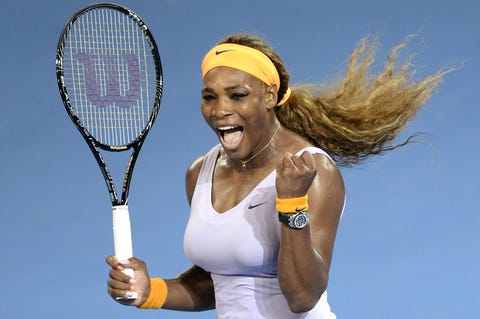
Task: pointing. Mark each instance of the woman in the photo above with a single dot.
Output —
(266, 201)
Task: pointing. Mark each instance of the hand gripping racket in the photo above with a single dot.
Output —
(110, 78)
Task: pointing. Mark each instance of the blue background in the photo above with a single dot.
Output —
(408, 243)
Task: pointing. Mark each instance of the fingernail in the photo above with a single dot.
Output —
(131, 294)
(133, 281)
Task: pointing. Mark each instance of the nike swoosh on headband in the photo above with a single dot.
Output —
(222, 51)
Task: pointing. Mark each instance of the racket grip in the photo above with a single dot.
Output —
(122, 237)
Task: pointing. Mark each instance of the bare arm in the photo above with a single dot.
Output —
(305, 255)
(190, 291)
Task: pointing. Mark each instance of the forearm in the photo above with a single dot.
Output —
(302, 271)
(190, 291)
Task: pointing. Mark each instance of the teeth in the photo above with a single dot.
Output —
(226, 128)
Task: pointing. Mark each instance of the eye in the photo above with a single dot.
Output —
(238, 96)
(208, 97)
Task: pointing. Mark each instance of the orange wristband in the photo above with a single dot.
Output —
(158, 294)
(292, 205)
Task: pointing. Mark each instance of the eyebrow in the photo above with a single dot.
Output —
(226, 89)
(233, 87)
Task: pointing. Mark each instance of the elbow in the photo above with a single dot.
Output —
(302, 293)
(304, 302)
(300, 308)
(300, 305)
(305, 299)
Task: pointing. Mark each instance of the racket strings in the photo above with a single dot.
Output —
(109, 72)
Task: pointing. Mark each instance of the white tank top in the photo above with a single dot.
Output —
(240, 249)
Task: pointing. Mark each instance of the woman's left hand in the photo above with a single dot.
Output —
(295, 175)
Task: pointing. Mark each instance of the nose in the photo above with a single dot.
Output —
(222, 108)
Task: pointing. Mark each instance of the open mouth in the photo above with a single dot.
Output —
(230, 135)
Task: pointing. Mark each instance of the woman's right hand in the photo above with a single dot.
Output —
(121, 285)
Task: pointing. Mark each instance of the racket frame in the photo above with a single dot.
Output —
(94, 144)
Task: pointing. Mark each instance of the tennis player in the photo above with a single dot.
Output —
(266, 201)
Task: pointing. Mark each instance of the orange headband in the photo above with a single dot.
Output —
(245, 59)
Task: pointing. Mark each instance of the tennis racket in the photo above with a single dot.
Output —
(110, 78)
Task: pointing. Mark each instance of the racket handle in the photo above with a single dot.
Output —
(122, 238)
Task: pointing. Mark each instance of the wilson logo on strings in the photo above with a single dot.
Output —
(111, 80)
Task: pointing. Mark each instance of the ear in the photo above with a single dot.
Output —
(271, 96)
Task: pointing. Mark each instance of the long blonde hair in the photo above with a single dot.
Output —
(360, 114)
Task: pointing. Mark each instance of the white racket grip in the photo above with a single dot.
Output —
(122, 233)
(122, 238)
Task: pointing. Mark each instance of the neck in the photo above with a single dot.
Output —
(245, 162)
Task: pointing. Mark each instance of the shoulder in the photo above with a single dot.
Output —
(327, 170)
(194, 168)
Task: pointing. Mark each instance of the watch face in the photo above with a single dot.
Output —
(300, 220)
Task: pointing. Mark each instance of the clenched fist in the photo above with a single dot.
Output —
(295, 175)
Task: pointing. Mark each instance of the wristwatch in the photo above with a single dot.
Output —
(298, 220)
